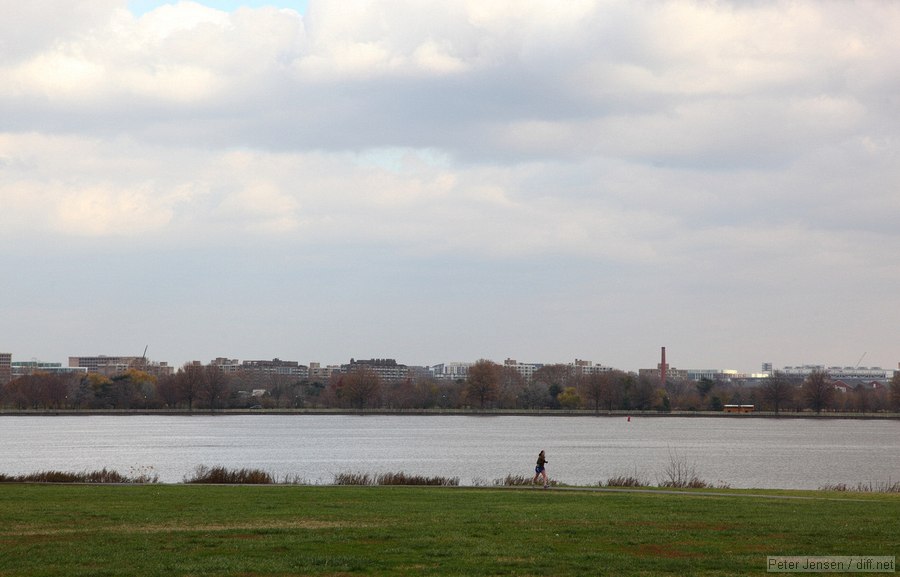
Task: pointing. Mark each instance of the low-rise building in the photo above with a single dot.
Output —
(839, 373)
(671, 374)
(24, 368)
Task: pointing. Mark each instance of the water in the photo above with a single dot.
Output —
(757, 453)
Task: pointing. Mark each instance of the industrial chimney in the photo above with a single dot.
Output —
(662, 368)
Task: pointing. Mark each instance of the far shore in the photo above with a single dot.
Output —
(448, 412)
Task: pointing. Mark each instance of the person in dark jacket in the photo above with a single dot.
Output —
(540, 471)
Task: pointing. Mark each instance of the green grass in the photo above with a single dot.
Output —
(244, 531)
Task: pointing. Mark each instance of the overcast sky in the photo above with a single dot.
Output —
(438, 181)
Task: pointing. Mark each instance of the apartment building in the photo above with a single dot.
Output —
(111, 365)
(583, 367)
(527, 370)
(454, 371)
(320, 374)
(388, 369)
(5, 368)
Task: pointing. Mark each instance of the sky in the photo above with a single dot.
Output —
(438, 181)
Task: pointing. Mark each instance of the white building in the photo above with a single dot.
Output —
(23, 368)
(527, 370)
(450, 371)
(842, 373)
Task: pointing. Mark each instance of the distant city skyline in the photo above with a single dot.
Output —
(796, 368)
(452, 181)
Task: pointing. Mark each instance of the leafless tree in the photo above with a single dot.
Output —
(167, 390)
(405, 394)
(15, 394)
(778, 390)
(189, 382)
(818, 391)
(617, 393)
(880, 400)
(482, 381)
(594, 389)
(895, 391)
(860, 400)
(510, 386)
(361, 387)
(214, 385)
(449, 394)
(678, 391)
(80, 392)
(535, 395)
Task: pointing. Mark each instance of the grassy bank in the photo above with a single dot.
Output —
(170, 530)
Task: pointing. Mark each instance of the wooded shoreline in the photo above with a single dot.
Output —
(451, 412)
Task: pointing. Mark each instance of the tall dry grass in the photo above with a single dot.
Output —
(101, 476)
(224, 476)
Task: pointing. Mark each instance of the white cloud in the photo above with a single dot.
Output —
(110, 211)
(653, 139)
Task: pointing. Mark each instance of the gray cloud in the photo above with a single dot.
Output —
(679, 169)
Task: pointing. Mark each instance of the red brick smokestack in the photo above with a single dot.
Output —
(662, 368)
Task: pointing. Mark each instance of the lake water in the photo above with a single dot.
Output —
(740, 452)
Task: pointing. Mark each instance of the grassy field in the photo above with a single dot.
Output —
(172, 530)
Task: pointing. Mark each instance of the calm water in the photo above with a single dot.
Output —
(763, 453)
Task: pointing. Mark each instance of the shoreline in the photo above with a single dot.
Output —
(444, 413)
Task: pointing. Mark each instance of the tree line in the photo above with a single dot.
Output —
(487, 386)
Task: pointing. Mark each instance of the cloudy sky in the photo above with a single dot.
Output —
(437, 180)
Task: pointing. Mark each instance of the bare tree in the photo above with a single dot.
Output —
(401, 395)
(510, 386)
(595, 389)
(167, 390)
(189, 381)
(17, 393)
(482, 381)
(895, 391)
(214, 385)
(80, 392)
(818, 391)
(678, 391)
(860, 398)
(360, 387)
(778, 390)
(616, 393)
